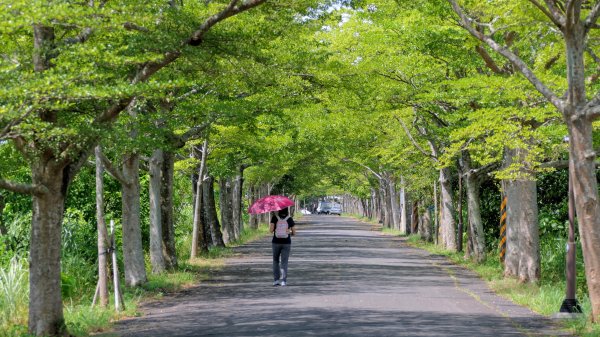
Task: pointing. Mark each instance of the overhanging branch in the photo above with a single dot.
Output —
(552, 14)
(364, 166)
(592, 108)
(465, 22)
(23, 188)
(151, 68)
(590, 21)
(413, 141)
(108, 165)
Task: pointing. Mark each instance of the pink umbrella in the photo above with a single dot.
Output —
(270, 203)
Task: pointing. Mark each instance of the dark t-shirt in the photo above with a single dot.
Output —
(287, 240)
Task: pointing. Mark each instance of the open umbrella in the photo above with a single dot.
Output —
(270, 203)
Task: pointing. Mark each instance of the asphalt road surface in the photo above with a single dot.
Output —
(344, 279)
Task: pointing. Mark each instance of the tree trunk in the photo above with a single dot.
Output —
(199, 241)
(363, 205)
(45, 300)
(157, 260)
(522, 259)
(459, 245)
(168, 227)
(102, 233)
(225, 198)
(414, 219)
(436, 212)
(475, 223)
(403, 207)
(133, 253)
(384, 202)
(208, 193)
(529, 266)
(585, 191)
(236, 203)
(583, 156)
(252, 191)
(394, 207)
(198, 233)
(426, 227)
(3, 230)
(447, 223)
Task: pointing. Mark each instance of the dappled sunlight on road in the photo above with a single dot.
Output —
(344, 280)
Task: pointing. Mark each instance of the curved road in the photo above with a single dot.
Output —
(344, 280)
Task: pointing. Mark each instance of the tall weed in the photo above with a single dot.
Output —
(14, 293)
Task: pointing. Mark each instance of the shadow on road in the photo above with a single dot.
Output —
(344, 280)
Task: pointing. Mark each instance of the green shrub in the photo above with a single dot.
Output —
(19, 232)
(78, 277)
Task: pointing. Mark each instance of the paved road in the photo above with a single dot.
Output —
(344, 280)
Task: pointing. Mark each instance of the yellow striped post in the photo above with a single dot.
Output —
(502, 229)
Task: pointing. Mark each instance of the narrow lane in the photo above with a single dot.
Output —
(344, 280)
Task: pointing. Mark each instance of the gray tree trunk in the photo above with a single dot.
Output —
(394, 207)
(225, 198)
(447, 223)
(133, 253)
(384, 202)
(199, 242)
(436, 212)
(475, 222)
(210, 209)
(426, 227)
(364, 207)
(168, 227)
(522, 258)
(252, 191)
(3, 230)
(375, 203)
(403, 207)
(45, 301)
(102, 233)
(459, 236)
(157, 260)
(236, 203)
(198, 234)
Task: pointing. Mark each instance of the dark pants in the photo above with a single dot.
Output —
(282, 251)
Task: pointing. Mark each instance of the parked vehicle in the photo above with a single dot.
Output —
(328, 207)
(335, 209)
(323, 207)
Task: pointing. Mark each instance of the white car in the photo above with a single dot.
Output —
(305, 211)
(336, 209)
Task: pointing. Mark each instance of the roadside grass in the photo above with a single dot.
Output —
(14, 297)
(390, 231)
(82, 319)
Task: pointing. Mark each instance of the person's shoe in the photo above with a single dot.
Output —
(282, 283)
(276, 283)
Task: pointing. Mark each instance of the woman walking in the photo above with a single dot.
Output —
(282, 227)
